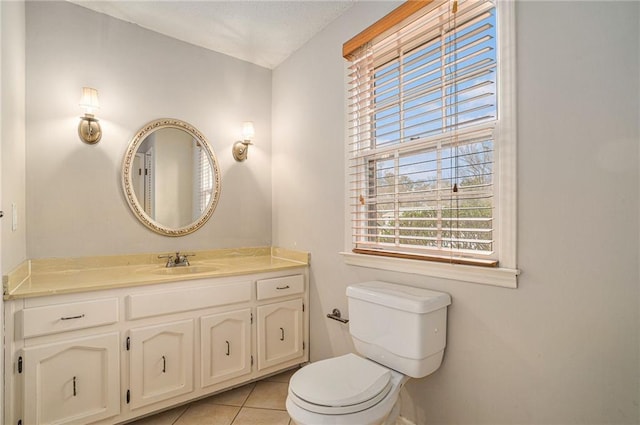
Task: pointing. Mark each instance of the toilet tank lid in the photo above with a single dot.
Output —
(400, 297)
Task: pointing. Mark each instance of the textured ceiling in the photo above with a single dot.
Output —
(261, 32)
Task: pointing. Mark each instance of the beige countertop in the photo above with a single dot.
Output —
(35, 278)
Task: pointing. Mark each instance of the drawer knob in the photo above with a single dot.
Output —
(72, 317)
(282, 287)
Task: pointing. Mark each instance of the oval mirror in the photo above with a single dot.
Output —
(170, 177)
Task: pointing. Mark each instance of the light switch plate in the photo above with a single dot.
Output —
(14, 216)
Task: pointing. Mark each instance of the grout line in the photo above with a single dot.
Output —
(242, 406)
(243, 403)
(266, 408)
(180, 415)
(236, 415)
(249, 395)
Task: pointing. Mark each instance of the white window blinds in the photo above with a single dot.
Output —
(203, 180)
(423, 107)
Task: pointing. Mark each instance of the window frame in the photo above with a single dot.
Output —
(505, 275)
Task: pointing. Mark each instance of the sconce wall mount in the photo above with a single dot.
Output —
(240, 150)
(241, 147)
(89, 129)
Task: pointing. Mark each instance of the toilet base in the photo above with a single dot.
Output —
(395, 413)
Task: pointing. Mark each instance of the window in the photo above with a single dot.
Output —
(432, 146)
(202, 180)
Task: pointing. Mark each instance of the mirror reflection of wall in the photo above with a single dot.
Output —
(143, 175)
(173, 195)
(172, 177)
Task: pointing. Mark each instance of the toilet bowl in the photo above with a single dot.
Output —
(345, 390)
(400, 332)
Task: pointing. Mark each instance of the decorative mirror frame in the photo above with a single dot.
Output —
(127, 177)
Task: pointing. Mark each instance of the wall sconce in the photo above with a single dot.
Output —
(240, 148)
(89, 128)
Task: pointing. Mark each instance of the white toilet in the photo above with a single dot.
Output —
(401, 331)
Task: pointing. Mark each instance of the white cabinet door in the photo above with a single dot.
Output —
(280, 327)
(76, 381)
(225, 346)
(161, 362)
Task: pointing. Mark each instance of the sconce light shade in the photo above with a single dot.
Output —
(89, 128)
(247, 130)
(241, 148)
(89, 100)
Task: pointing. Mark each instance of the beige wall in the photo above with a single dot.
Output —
(12, 125)
(563, 348)
(12, 143)
(75, 205)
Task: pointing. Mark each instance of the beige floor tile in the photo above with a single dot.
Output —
(282, 377)
(205, 413)
(268, 395)
(235, 397)
(164, 418)
(250, 416)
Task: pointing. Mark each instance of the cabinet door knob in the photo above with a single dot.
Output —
(74, 387)
(281, 334)
(228, 348)
(164, 364)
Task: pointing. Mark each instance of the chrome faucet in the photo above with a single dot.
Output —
(179, 260)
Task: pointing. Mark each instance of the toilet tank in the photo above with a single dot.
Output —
(401, 327)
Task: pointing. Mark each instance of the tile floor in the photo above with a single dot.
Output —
(258, 403)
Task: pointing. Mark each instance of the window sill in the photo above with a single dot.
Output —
(495, 276)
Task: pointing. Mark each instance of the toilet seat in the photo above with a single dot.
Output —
(341, 385)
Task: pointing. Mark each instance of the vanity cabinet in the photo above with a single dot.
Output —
(161, 362)
(279, 332)
(225, 346)
(280, 324)
(66, 367)
(75, 381)
(110, 356)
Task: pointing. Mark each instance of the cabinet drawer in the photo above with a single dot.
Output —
(38, 321)
(280, 286)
